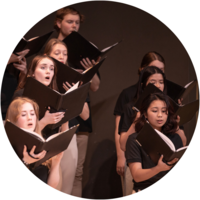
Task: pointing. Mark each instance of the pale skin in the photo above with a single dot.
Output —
(71, 22)
(59, 52)
(19, 61)
(45, 69)
(27, 120)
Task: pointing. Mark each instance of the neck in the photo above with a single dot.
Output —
(61, 36)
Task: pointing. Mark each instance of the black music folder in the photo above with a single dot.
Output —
(79, 48)
(35, 44)
(70, 75)
(71, 102)
(156, 144)
(54, 145)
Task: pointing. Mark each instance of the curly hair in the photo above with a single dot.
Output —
(171, 124)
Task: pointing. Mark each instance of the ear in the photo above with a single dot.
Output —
(58, 23)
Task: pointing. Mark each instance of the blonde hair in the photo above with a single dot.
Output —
(15, 107)
(14, 111)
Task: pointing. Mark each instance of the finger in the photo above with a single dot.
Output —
(82, 64)
(88, 61)
(33, 150)
(65, 87)
(25, 149)
(68, 84)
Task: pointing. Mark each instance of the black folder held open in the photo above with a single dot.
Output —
(186, 112)
(70, 102)
(156, 144)
(70, 75)
(79, 48)
(54, 145)
(34, 45)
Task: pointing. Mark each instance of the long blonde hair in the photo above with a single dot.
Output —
(14, 111)
(15, 107)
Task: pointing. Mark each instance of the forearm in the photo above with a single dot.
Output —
(95, 83)
(42, 123)
(120, 153)
(181, 133)
(54, 175)
(85, 112)
(140, 175)
(65, 126)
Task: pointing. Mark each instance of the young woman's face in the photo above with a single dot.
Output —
(157, 80)
(44, 71)
(27, 117)
(158, 64)
(69, 23)
(157, 114)
(59, 52)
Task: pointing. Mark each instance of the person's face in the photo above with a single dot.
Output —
(69, 23)
(157, 114)
(158, 64)
(44, 71)
(59, 52)
(157, 80)
(27, 117)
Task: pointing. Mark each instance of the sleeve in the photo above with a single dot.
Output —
(133, 151)
(120, 103)
(127, 118)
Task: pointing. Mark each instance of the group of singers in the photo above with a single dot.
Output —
(65, 171)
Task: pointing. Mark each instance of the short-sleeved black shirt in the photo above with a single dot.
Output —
(135, 153)
(125, 97)
(127, 117)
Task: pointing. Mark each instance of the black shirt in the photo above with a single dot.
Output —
(127, 117)
(135, 153)
(127, 95)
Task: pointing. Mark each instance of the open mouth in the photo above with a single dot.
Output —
(47, 78)
(30, 124)
(160, 121)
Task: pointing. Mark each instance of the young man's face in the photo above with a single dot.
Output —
(70, 22)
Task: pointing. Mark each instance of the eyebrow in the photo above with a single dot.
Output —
(46, 64)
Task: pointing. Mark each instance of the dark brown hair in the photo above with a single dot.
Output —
(60, 14)
(31, 70)
(171, 124)
(144, 76)
(148, 58)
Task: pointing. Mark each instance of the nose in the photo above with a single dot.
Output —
(74, 25)
(159, 113)
(158, 85)
(47, 70)
(29, 116)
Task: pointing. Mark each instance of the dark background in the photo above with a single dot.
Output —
(105, 24)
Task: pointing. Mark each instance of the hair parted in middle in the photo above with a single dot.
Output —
(144, 76)
(171, 124)
(15, 107)
(31, 70)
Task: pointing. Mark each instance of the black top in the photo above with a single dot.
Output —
(125, 97)
(42, 172)
(135, 153)
(9, 85)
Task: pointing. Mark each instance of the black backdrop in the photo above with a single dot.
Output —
(105, 24)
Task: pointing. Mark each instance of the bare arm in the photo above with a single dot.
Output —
(50, 118)
(54, 175)
(140, 174)
(85, 112)
(120, 154)
(86, 63)
(181, 133)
